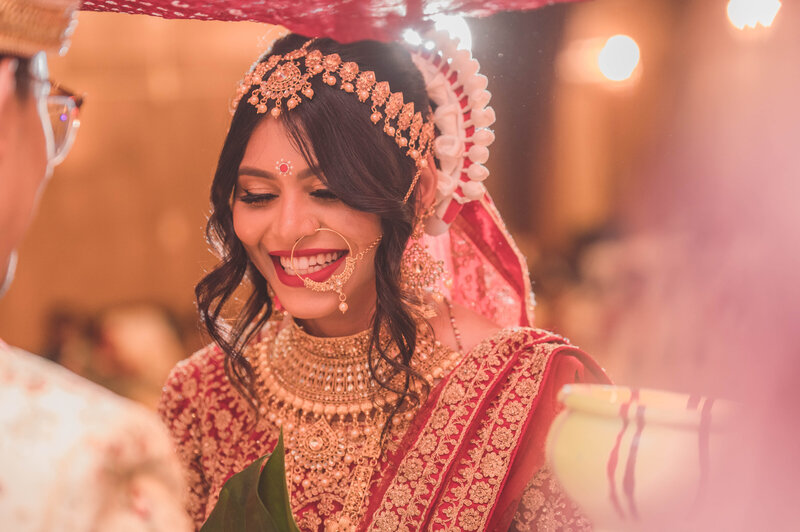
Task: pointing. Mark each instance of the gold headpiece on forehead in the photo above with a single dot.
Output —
(289, 82)
(30, 26)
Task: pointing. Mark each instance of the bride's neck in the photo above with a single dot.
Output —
(355, 320)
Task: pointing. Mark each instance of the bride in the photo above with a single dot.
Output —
(401, 366)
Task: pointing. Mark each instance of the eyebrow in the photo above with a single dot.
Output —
(266, 174)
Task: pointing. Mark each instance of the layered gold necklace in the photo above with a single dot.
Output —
(333, 411)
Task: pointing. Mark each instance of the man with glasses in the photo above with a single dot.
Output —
(73, 456)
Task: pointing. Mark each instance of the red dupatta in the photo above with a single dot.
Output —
(480, 437)
(354, 20)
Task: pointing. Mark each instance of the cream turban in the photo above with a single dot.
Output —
(29, 26)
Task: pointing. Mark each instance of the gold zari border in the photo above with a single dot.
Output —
(472, 490)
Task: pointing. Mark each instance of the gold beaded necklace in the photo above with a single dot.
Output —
(332, 411)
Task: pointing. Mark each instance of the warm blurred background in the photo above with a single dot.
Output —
(645, 161)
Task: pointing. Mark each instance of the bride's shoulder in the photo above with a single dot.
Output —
(191, 376)
(461, 328)
(473, 327)
(476, 330)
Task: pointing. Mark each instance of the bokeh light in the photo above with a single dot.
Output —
(619, 58)
(457, 27)
(750, 13)
(412, 37)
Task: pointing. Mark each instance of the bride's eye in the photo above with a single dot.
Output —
(324, 193)
(256, 199)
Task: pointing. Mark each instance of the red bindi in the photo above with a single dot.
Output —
(283, 166)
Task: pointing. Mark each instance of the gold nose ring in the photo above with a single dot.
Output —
(336, 282)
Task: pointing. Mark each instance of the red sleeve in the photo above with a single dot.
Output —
(178, 409)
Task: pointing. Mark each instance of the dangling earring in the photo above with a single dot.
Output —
(419, 271)
(336, 282)
(276, 304)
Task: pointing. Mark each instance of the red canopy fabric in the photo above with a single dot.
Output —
(343, 21)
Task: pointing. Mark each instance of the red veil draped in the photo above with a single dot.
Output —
(343, 21)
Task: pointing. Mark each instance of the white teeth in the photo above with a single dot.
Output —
(309, 264)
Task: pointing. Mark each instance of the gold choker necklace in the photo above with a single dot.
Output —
(331, 376)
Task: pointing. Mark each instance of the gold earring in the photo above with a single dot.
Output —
(336, 282)
(419, 271)
(276, 304)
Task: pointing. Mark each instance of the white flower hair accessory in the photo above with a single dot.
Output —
(462, 118)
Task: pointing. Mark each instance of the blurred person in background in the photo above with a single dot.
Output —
(133, 346)
(126, 348)
(73, 456)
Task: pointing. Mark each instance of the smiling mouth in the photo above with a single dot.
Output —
(309, 264)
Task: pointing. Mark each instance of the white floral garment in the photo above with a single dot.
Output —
(75, 457)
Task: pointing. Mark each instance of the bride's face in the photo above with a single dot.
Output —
(279, 199)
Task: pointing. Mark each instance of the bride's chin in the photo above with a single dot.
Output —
(314, 308)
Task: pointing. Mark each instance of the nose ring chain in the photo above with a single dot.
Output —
(336, 282)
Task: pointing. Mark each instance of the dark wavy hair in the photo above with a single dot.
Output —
(364, 168)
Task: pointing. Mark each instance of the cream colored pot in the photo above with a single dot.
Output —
(638, 459)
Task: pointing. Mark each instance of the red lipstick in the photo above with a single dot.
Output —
(320, 276)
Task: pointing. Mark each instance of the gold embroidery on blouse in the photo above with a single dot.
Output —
(545, 507)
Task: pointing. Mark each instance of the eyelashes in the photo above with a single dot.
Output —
(324, 193)
(261, 199)
(256, 199)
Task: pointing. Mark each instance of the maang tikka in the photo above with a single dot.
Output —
(282, 82)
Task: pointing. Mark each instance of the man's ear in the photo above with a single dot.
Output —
(426, 187)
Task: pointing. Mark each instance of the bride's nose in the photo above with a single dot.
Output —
(294, 221)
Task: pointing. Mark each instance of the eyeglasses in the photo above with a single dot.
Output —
(58, 109)
(63, 108)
